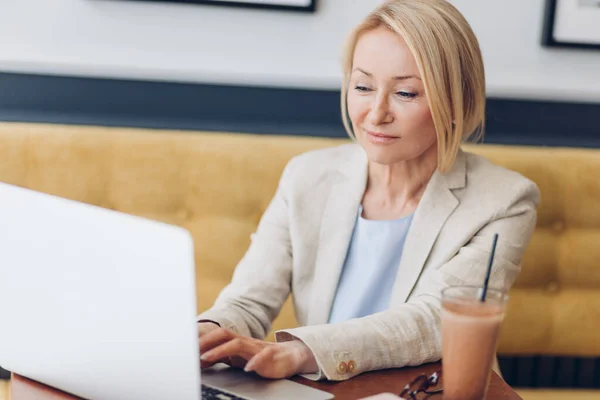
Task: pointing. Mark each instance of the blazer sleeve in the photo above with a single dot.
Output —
(262, 279)
(410, 333)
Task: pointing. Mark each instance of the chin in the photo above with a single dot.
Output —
(383, 156)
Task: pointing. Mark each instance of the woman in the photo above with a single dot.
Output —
(367, 235)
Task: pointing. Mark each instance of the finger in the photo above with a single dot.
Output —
(235, 362)
(215, 339)
(263, 357)
(208, 364)
(241, 347)
(203, 345)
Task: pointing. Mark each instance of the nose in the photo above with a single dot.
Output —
(380, 111)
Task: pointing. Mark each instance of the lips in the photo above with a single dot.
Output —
(380, 138)
(381, 135)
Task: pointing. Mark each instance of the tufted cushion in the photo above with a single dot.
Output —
(215, 185)
(555, 304)
(218, 185)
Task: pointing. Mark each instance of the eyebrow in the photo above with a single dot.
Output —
(396, 78)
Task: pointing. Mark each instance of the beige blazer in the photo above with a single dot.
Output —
(302, 239)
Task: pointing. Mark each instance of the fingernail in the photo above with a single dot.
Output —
(249, 367)
(205, 357)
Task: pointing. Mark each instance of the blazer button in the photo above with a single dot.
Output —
(342, 368)
(351, 366)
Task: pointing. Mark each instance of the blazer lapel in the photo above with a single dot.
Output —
(434, 208)
(339, 217)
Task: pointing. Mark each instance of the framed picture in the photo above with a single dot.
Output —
(289, 5)
(572, 23)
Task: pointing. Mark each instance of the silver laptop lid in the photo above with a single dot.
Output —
(98, 303)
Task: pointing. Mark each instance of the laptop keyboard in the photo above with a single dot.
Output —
(210, 393)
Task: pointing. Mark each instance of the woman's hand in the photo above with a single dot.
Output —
(205, 328)
(270, 360)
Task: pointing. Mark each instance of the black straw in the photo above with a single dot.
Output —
(489, 269)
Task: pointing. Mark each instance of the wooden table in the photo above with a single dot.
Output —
(366, 384)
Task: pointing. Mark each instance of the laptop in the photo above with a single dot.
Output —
(102, 304)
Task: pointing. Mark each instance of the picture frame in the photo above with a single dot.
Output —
(572, 23)
(307, 6)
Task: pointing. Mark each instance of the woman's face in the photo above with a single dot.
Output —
(386, 100)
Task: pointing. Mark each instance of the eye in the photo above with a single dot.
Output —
(407, 95)
(360, 88)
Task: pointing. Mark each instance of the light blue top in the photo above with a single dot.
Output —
(370, 268)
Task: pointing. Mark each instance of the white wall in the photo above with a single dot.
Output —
(240, 46)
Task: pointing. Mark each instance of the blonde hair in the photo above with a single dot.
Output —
(449, 59)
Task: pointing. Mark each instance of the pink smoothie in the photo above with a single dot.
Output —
(469, 337)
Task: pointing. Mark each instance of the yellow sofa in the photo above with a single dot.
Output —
(4, 390)
(217, 185)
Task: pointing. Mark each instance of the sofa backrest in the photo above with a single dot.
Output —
(555, 304)
(217, 185)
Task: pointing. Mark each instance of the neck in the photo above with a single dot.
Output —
(400, 184)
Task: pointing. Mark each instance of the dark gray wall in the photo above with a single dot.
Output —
(70, 100)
